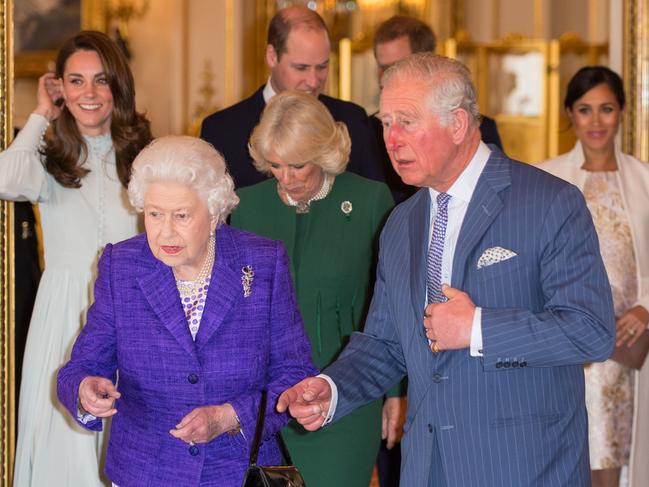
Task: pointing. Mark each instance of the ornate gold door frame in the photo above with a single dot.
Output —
(7, 399)
(635, 136)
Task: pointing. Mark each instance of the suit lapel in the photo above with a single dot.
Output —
(418, 232)
(483, 208)
(258, 103)
(158, 285)
(225, 285)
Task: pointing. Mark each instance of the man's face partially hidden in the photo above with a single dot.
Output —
(388, 53)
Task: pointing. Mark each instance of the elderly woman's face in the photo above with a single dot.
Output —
(299, 181)
(178, 226)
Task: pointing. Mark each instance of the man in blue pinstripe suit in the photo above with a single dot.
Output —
(518, 300)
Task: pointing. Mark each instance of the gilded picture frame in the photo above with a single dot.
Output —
(7, 368)
(35, 54)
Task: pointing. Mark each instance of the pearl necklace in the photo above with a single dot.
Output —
(302, 207)
(186, 288)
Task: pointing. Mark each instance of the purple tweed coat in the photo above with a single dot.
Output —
(136, 330)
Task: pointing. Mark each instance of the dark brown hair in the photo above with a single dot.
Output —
(588, 78)
(65, 150)
(420, 35)
(287, 19)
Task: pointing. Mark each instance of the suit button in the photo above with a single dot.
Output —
(193, 450)
(192, 378)
(437, 378)
(515, 363)
(499, 364)
(430, 428)
(523, 363)
(507, 364)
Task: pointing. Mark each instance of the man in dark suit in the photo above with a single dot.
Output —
(298, 56)
(490, 294)
(395, 39)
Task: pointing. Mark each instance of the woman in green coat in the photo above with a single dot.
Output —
(329, 221)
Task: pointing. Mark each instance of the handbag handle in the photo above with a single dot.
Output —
(254, 452)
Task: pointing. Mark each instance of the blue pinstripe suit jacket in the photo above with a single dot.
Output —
(515, 417)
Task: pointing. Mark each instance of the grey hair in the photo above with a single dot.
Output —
(297, 128)
(450, 84)
(188, 161)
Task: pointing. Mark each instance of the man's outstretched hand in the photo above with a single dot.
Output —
(307, 401)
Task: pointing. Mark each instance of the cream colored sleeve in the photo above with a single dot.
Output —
(22, 175)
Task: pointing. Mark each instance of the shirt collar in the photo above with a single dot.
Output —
(268, 92)
(464, 186)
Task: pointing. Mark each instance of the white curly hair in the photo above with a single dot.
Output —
(188, 161)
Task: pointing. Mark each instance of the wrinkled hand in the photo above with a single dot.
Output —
(50, 91)
(307, 401)
(205, 423)
(449, 323)
(97, 396)
(393, 418)
(631, 325)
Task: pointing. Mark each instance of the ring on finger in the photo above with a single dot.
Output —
(631, 331)
(434, 347)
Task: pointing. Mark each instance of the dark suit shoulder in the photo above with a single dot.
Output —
(246, 109)
(489, 132)
(343, 110)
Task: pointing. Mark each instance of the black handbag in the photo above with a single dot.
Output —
(270, 476)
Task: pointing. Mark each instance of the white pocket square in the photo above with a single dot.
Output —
(494, 255)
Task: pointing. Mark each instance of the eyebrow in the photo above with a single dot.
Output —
(397, 113)
(80, 75)
(324, 63)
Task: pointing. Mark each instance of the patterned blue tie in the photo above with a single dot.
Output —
(436, 250)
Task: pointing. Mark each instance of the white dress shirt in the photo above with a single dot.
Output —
(461, 192)
(269, 91)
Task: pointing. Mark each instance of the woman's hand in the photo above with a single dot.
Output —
(393, 418)
(50, 91)
(631, 325)
(97, 396)
(206, 423)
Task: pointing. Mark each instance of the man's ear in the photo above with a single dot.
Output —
(271, 56)
(459, 125)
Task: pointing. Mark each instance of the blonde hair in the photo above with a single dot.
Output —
(297, 128)
(188, 161)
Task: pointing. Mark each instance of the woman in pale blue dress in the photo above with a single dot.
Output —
(73, 159)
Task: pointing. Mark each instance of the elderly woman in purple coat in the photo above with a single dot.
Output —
(190, 322)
